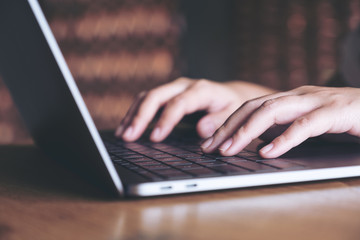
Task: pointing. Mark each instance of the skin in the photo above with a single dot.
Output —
(309, 111)
(306, 112)
(184, 96)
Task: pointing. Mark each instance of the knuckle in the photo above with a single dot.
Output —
(175, 105)
(280, 140)
(303, 122)
(178, 100)
(141, 95)
(200, 84)
(269, 105)
(304, 88)
(183, 80)
(241, 133)
(337, 101)
(251, 104)
(151, 95)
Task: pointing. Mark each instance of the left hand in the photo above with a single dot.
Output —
(309, 111)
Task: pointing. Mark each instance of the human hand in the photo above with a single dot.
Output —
(309, 111)
(184, 96)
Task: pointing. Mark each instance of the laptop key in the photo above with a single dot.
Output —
(138, 160)
(170, 159)
(189, 166)
(132, 156)
(214, 163)
(148, 163)
(157, 167)
(151, 176)
(231, 159)
(162, 156)
(202, 160)
(178, 163)
(133, 167)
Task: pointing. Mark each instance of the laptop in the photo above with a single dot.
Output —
(56, 116)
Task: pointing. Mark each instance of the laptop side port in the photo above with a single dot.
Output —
(193, 185)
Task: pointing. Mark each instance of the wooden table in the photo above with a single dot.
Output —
(40, 200)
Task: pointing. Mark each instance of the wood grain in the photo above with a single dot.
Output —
(40, 200)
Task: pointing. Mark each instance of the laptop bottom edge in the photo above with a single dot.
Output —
(239, 181)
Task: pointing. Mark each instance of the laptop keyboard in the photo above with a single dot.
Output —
(179, 160)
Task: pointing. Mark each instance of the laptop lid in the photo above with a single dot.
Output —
(46, 95)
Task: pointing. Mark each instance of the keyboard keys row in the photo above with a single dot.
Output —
(152, 162)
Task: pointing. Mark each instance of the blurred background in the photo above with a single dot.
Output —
(117, 48)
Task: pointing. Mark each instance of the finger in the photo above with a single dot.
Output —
(132, 110)
(310, 125)
(139, 118)
(273, 132)
(234, 122)
(192, 100)
(207, 125)
(277, 111)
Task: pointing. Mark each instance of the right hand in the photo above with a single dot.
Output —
(184, 96)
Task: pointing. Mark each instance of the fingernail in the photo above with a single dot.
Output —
(128, 132)
(226, 145)
(207, 143)
(119, 131)
(267, 148)
(156, 134)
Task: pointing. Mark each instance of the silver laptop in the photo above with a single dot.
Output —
(49, 101)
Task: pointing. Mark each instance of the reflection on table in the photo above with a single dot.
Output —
(45, 201)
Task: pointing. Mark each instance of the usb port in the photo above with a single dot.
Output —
(191, 185)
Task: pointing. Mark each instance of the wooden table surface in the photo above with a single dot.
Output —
(40, 200)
